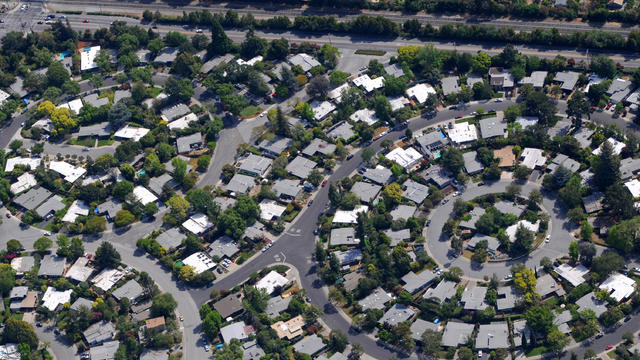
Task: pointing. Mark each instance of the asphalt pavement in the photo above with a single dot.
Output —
(260, 11)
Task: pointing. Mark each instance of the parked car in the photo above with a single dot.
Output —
(324, 183)
(310, 202)
(350, 156)
(206, 348)
(599, 335)
(8, 215)
(458, 116)
(499, 100)
(548, 238)
(609, 347)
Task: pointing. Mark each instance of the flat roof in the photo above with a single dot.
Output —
(32, 198)
(366, 191)
(343, 236)
(493, 336)
(376, 300)
(397, 314)
(574, 275)
(107, 278)
(200, 262)
(415, 191)
(463, 132)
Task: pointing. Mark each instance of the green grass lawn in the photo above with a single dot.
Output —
(88, 142)
(250, 111)
(105, 142)
(612, 354)
(153, 92)
(538, 350)
(370, 52)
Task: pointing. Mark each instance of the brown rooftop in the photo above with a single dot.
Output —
(155, 322)
(30, 301)
(506, 156)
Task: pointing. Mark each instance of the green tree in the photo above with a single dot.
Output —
(607, 167)
(619, 201)
(338, 341)
(573, 250)
(119, 115)
(179, 89)
(179, 169)
(124, 218)
(122, 189)
(577, 106)
(540, 318)
(43, 244)
(107, 256)
(163, 305)
(19, 332)
(367, 154)
(7, 279)
(603, 66)
(14, 246)
(556, 341)
(607, 263)
(220, 43)
(382, 108)
(211, 324)
(338, 77)
(453, 160)
(57, 74)
(178, 208)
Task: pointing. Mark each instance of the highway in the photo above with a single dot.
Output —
(268, 11)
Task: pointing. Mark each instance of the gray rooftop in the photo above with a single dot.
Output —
(224, 203)
(563, 318)
(121, 94)
(109, 207)
(301, 167)
(251, 350)
(131, 290)
(229, 305)
(171, 239)
(319, 146)
(255, 231)
(99, 130)
(26, 264)
(473, 298)
(456, 333)
(582, 135)
(629, 167)
(169, 165)
(175, 111)
(106, 351)
(492, 243)
(351, 280)
(376, 300)
(492, 127)
(18, 292)
(593, 202)
(95, 101)
(450, 85)
(32, 198)
(343, 236)
(344, 131)
(432, 141)
(224, 246)
(167, 55)
(240, 184)
(397, 236)
(568, 79)
(187, 143)
(80, 302)
(547, 285)
(437, 175)
(590, 301)
(255, 165)
(445, 290)
(309, 345)
(509, 208)
(493, 336)
(471, 164)
(157, 183)
(305, 61)
(212, 63)
(149, 354)
(287, 187)
(366, 191)
(520, 328)
(619, 90)
(54, 204)
(276, 146)
(394, 70)
(476, 213)
(380, 175)
(536, 79)
(397, 314)
(415, 191)
(348, 257)
(507, 296)
(99, 332)
(561, 128)
(420, 326)
(403, 212)
(277, 305)
(414, 282)
(565, 161)
(52, 266)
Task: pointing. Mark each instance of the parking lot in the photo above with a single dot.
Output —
(21, 18)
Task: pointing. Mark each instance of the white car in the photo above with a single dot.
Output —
(547, 239)
(199, 31)
(499, 100)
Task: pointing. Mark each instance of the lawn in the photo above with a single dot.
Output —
(538, 350)
(153, 92)
(88, 142)
(105, 142)
(612, 355)
(370, 52)
(250, 111)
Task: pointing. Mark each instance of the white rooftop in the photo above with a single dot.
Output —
(634, 187)
(511, 230)
(198, 223)
(270, 210)
(336, 94)
(77, 208)
(200, 262)
(69, 172)
(143, 195)
(133, 133)
(107, 278)
(369, 84)
(615, 144)
(349, 216)
(407, 158)
(420, 92)
(365, 115)
(3, 97)
(532, 158)
(74, 106)
(250, 62)
(463, 132)
(620, 286)
(183, 122)
(12, 162)
(574, 275)
(24, 182)
(88, 58)
(321, 109)
(52, 298)
(271, 281)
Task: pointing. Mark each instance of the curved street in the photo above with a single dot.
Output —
(438, 243)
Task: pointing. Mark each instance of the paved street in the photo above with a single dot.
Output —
(270, 10)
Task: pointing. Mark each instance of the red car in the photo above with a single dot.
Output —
(8, 215)
(609, 347)
(458, 116)
(324, 183)
(85, 20)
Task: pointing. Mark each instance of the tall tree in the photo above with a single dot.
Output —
(220, 42)
(607, 167)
